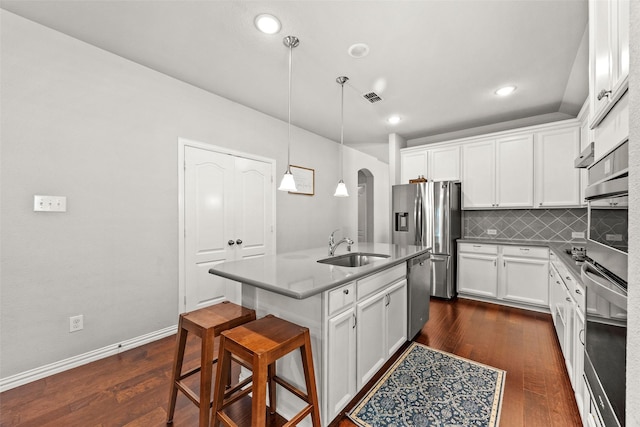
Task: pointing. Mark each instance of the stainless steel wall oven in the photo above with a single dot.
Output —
(605, 275)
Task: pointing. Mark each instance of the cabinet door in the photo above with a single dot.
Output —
(525, 280)
(478, 175)
(514, 171)
(396, 316)
(371, 349)
(412, 165)
(600, 15)
(444, 164)
(578, 359)
(557, 180)
(478, 274)
(341, 361)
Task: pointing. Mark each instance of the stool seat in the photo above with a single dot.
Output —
(259, 344)
(206, 323)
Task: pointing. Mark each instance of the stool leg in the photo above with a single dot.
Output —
(310, 379)
(272, 388)
(259, 388)
(222, 371)
(206, 376)
(181, 342)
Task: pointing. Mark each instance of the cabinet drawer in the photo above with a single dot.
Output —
(478, 248)
(341, 298)
(526, 251)
(377, 281)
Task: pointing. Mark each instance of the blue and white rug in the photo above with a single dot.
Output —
(427, 387)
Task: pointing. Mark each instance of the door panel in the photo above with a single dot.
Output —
(208, 177)
(371, 349)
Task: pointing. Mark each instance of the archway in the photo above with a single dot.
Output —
(365, 205)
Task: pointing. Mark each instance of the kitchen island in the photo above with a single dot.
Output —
(357, 316)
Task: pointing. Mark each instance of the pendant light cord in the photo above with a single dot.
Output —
(289, 113)
(341, 129)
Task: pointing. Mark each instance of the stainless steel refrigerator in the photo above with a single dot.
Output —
(428, 214)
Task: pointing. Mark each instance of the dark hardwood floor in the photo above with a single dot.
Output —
(131, 389)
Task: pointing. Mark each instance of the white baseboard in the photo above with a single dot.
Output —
(82, 359)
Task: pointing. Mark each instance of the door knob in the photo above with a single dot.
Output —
(231, 242)
(239, 241)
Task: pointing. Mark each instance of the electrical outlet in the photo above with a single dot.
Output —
(76, 323)
(577, 234)
(49, 203)
(492, 231)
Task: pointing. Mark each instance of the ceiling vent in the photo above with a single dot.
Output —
(372, 97)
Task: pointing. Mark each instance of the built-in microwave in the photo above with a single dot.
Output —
(605, 275)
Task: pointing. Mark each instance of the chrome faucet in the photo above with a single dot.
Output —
(333, 245)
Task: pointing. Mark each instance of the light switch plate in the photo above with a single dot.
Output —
(577, 234)
(49, 203)
(492, 231)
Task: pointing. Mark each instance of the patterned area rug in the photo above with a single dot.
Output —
(427, 387)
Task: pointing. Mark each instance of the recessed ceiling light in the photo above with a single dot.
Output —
(358, 50)
(266, 23)
(394, 120)
(504, 91)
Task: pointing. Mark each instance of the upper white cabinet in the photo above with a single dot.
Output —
(557, 181)
(498, 173)
(413, 164)
(444, 164)
(479, 175)
(609, 55)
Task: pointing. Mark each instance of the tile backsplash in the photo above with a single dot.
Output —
(549, 225)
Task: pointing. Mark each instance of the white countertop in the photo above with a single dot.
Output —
(299, 275)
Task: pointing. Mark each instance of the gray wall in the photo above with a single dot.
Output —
(80, 122)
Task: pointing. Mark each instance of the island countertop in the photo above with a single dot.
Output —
(299, 275)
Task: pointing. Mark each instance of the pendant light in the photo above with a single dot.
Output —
(288, 183)
(341, 189)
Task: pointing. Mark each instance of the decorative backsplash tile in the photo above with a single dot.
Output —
(548, 225)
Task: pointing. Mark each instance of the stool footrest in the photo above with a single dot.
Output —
(292, 389)
(188, 392)
(299, 416)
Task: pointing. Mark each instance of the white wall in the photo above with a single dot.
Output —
(633, 331)
(80, 122)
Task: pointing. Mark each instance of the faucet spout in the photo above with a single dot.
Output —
(333, 245)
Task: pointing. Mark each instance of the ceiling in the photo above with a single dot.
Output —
(435, 63)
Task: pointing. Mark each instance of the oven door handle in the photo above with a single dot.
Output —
(603, 287)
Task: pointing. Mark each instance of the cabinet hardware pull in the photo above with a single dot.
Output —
(580, 336)
(504, 263)
(346, 291)
(495, 263)
(578, 292)
(239, 241)
(477, 246)
(231, 242)
(388, 298)
(568, 299)
(355, 320)
(524, 249)
(603, 93)
(568, 277)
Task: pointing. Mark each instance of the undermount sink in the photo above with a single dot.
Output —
(356, 259)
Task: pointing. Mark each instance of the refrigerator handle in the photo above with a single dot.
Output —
(418, 217)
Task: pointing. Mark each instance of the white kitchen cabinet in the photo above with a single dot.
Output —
(608, 56)
(578, 361)
(523, 277)
(478, 270)
(514, 171)
(498, 173)
(557, 180)
(378, 334)
(478, 174)
(413, 164)
(341, 378)
(444, 164)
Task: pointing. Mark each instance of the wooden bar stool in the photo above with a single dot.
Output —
(206, 323)
(259, 344)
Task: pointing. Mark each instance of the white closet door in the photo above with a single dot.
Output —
(209, 218)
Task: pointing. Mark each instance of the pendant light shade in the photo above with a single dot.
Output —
(341, 189)
(288, 183)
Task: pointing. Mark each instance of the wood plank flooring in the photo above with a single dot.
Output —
(131, 389)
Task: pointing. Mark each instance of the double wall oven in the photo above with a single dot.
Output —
(605, 275)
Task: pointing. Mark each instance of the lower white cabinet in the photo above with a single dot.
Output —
(341, 377)
(362, 333)
(504, 272)
(379, 331)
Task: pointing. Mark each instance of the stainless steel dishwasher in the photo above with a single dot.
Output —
(419, 292)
